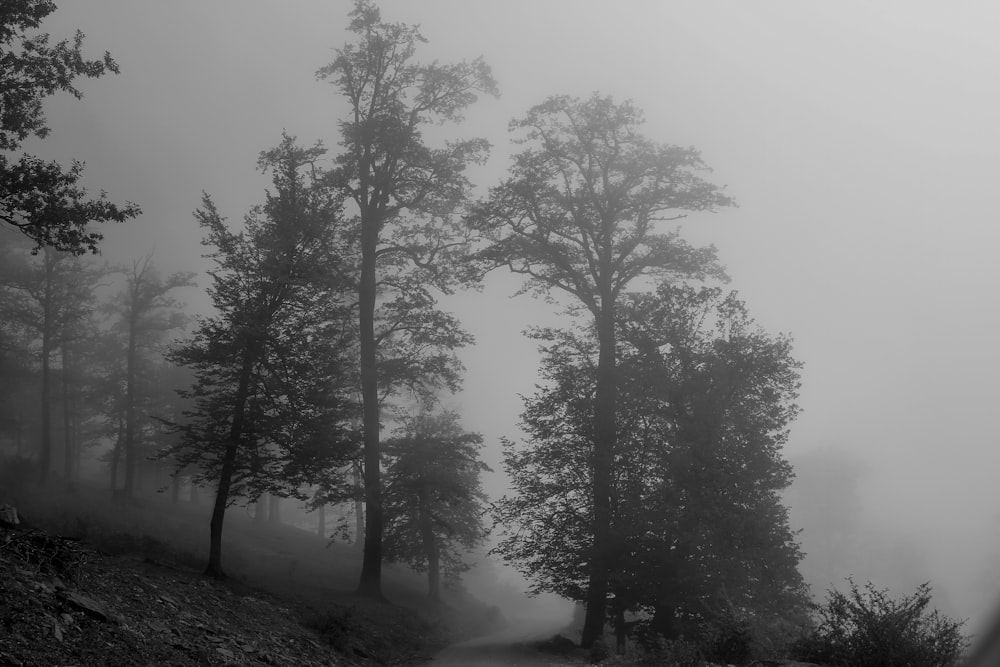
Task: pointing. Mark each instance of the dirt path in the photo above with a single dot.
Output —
(509, 647)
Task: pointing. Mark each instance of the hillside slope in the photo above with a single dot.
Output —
(94, 584)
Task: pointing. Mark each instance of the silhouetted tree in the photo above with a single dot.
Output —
(266, 367)
(404, 236)
(698, 532)
(42, 199)
(147, 313)
(46, 297)
(18, 395)
(581, 214)
(434, 501)
(80, 334)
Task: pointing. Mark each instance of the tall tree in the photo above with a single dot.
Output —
(47, 296)
(581, 214)
(43, 199)
(148, 311)
(405, 193)
(434, 501)
(699, 533)
(80, 333)
(17, 353)
(261, 379)
(16, 369)
(726, 390)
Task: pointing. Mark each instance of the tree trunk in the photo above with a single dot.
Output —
(78, 446)
(214, 568)
(371, 565)
(260, 509)
(619, 630)
(321, 521)
(19, 434)
(130, 400)
(430, 545)
(45, 460)
(116, 454)
(359, 510)
(175, 489)
(663, 621)
(605, 434)
(193, 496)
(273, 509)
(67, 416)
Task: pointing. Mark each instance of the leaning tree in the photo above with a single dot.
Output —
(267, 379)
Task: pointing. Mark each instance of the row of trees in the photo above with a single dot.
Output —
(301, 294)
(95, 358)
(650, 474)
(272, 405)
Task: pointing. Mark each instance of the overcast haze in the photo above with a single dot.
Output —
(860, 140)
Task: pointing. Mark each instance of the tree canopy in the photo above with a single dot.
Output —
(433, 496)
(697, 527)
(581, 213)
(43, 199)
(406, 238)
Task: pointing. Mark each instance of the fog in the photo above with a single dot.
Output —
(859, 139)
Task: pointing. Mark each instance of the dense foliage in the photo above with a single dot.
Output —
(865, 626)
(700, 539)
(434, 502)
(44, 200)
(269, 379)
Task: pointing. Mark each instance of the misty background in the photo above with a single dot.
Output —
(859, 139)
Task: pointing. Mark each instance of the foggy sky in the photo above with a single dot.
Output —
(860, 140)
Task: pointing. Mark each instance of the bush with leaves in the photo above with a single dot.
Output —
(655, 649)
(866, 627)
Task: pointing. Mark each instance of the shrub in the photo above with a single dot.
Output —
(654, 649)
(866, 628)
(599, 652)
(724, 635)
(727, 638)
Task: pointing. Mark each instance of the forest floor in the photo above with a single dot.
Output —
(84, 582)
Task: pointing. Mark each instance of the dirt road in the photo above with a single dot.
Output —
(507, 648)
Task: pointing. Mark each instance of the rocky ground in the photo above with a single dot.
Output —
(92, 584)
(62, 603)
(109, 602)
